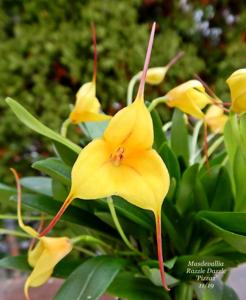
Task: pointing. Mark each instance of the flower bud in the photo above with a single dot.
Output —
(156, 75)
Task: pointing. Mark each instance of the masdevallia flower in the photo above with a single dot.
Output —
(215, 118)
(87, 107)
(190, 97)
(47, 252)
(237, 85)
(122, 162)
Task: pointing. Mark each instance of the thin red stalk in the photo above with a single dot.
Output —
(57, 216)
(146, 63)
(175, 59)
(94, 40)
(205, 145)
(159, 251)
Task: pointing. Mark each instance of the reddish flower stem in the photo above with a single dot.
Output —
(175, 59)
(146, 63)
(57, 216)
(159, 251)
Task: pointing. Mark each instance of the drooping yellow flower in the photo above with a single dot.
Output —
(87, 107)
(122, 162)
(237, 85)
(215, 119)
(190, 97)
(47, 252)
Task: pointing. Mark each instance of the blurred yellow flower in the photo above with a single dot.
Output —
(122, 162)
(87, 107)
(237, 85)
(190, 97)
(216, 119)
(45, 255)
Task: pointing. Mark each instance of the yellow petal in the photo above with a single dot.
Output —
(237, 85)
(143, 180)
(131, 127)
(87, 116)
(45, 259)
(84, 96)
(35, 253)
(91, 177)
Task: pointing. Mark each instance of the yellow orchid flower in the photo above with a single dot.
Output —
(190, 97)
(87, 107)
(122, 162)
(47, 252)
(216, 119)
(237, 85)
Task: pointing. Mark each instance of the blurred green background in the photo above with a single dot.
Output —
(46, 54)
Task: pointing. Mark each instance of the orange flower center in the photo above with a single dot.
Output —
(117, 156)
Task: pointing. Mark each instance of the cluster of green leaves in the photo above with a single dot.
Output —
(203, 218)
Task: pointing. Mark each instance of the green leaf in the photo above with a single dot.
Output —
(134, 213)
(179, 136)
(159, 135)
(59, 190)
(66, 154)
(132, 287)
(73, 214)
(15, 263)
(62, 270)
(38, 184)
(96, 129)
(55, 168)
(170, 161)
(6, 192)
(220, 291)
(154, 276)
(242, 128)
(239, 171)
(173, 225)
(30, 121)
(191, 194)
(232, 140)
(91, 279)
(227, 225)
(217, 184)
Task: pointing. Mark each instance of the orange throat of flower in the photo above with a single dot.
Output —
(117, 156)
